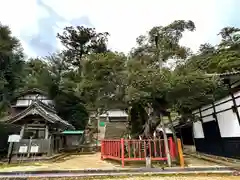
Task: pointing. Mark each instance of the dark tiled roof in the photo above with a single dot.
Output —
(31, 91)
(45, 112)
(46, 106)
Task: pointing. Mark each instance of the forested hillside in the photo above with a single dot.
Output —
(86, 75)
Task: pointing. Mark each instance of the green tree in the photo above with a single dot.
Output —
(62, 89)
(148, 81)
(11, 62)
(223, 57)
(80, 41)
(36, 74)
(102, 83)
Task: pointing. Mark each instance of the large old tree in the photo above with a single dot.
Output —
(88, 75)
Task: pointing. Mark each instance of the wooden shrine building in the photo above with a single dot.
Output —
(39, 124)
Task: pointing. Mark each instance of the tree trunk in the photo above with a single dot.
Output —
(129, 121)
(147, 133)
(165, 142)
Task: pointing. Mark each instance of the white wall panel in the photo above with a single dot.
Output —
(228, 124)
(49, 102)
(236, 94)
(224, 106)
(23, 103)
(33, 96)
(237, 101)
(208, 114)
(198, 130)
(223, 100)
(227, 120)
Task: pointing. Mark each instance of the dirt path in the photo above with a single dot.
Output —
(72, 162)
(93, 161)
(80, 162)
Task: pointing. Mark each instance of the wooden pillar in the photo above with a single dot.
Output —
(50, 146)
(46, 132)
(194, 142)
(215, 117)
(29, 147)
(200, 113)
(22, 131)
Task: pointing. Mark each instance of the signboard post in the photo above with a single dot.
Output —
(12, 139)
(34, 149)
(23, 149)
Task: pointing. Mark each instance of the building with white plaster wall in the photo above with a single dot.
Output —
(217, 131)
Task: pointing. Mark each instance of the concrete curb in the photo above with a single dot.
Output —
(121, 174)
(129, 170)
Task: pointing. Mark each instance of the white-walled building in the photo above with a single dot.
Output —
(218, 131)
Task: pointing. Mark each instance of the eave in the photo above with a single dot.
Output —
(46, 113)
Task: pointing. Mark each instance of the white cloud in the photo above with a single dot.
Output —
(126, 19)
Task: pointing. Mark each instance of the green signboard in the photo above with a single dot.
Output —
(102, 124)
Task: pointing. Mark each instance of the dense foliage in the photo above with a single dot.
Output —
(87, 76)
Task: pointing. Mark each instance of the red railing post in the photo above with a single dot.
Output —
(171, 147)
(102, 149)
(122, 151)
(115, 149)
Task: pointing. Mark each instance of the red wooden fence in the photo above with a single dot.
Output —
(136, 150)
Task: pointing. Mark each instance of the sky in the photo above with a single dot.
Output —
(36, 22)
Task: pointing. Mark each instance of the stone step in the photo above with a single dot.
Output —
(115, 130)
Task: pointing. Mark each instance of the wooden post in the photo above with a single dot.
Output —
(46, 132)
(180, 153)
(10, 149)
(29, 147)
(102, 149)
(50, 146)
(122, 152)
(166, 147)
(22, 131)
